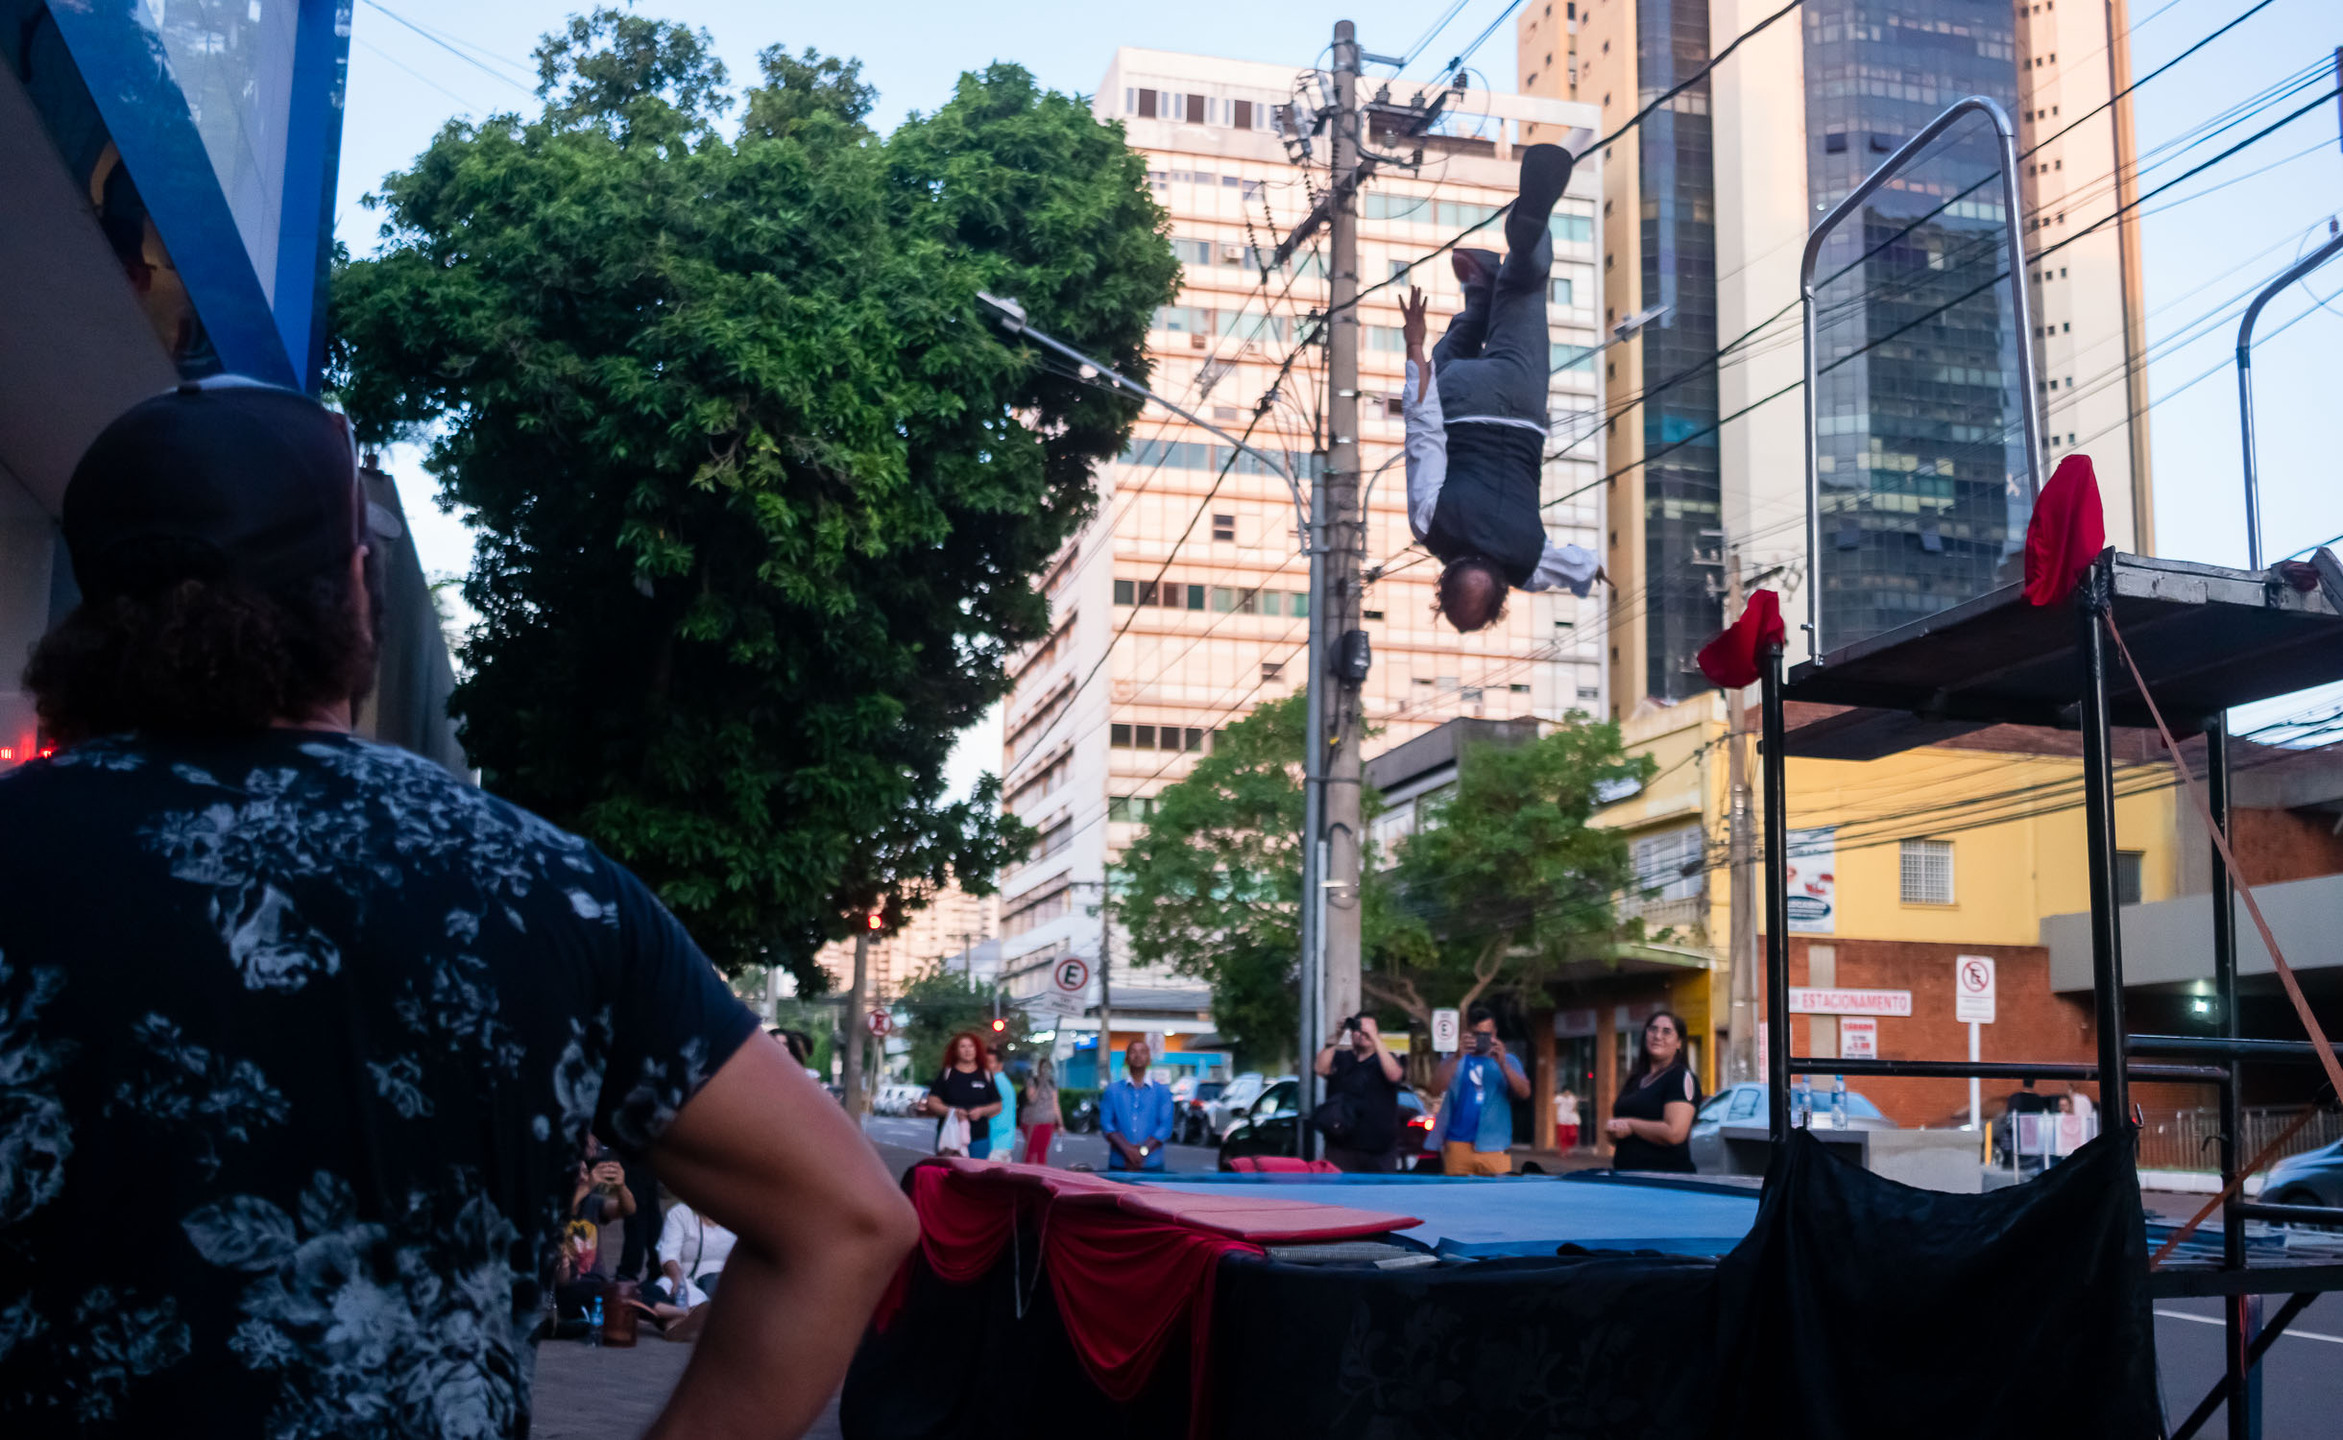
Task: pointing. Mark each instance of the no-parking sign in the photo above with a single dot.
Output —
(881, 1022)
(1447, 1025)
(1072, 974)
(1973, 989)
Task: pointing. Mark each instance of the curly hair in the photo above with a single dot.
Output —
(206, 656)
(1460, 586)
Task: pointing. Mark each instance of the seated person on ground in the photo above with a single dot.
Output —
(692, 1252)
(1476, 418)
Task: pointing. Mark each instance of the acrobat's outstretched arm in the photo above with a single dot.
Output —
(1427, 429)
(1565, 567)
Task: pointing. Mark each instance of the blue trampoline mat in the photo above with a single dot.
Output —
(1528, 1215)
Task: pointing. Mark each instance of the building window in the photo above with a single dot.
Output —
(1271, 669)
(1126, 591)
(2127, 876)
(1056, 838)
(1927, 872)
(1224, 527)
(1195, 109)
(1147, 104)
(1244, 115)
(1119, 736)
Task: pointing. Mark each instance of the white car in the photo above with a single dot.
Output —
(1227, 1108)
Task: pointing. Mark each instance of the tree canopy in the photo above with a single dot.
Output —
(760, 498)
(1211, 889)
(1504, 880)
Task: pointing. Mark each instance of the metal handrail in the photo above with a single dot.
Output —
(2245, 388)
(2011, 210)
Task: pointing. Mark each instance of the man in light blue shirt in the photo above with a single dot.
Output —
(1136, 1114)
(1478, 1088)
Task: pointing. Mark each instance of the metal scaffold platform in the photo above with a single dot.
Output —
(2143, 642)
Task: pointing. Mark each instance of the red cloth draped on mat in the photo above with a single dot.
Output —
(2067, 532)
(1730, 659)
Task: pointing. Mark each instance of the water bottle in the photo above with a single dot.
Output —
(1801, 1105)
(594, 1323)
(1838, 1104)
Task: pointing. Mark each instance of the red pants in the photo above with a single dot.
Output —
(1037, 1138)
(1566, 1137)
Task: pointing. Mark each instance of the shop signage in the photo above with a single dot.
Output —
(1806, 1000)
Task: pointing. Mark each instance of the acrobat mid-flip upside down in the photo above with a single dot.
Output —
(1476, 418)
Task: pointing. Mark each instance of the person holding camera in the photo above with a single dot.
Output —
(1360, 1117)
(1478, 1088)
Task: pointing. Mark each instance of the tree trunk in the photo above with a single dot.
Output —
(856, 998)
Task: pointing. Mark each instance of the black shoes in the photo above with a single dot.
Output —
(1545, 174)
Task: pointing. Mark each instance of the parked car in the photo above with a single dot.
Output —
(1269, 1128)
(1744, 1104)
(2315, 1177)
(1227, 1108)
(1192, 1114)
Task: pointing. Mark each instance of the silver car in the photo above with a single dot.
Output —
(2315, 1177)
(1744, 1105)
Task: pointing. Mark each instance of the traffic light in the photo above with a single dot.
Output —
(999, 1026)
(877, 921)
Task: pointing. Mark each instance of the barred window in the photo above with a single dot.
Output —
(1927, 872)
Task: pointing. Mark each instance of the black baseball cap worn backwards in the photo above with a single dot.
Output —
(220, 478)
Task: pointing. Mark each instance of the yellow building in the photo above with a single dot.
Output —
(1898, 866)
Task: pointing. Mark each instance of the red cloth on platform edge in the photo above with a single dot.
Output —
(2067, 532)
(961, 1234)
(1730, 659)
(1121, 1283)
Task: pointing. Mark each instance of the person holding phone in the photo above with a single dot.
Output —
(1478, 1088)
(1360, 1118)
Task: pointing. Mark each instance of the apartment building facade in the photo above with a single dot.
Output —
(1706, 206)
(1184, 603)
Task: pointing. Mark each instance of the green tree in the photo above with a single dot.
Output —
(1211, 888)
(760, 498)
(1504, 879)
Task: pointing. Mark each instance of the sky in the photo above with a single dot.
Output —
(414, 64)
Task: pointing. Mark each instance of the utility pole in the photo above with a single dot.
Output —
(1344, 664)
(1741, 979)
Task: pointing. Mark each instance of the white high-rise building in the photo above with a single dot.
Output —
(1182, 605)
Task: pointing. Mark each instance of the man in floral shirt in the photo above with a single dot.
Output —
(300, 1035)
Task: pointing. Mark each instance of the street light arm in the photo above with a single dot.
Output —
(1012, 317)
(2245, 388)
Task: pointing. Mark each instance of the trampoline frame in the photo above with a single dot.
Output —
(2216, 1060)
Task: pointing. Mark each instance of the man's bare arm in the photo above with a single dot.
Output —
(821, 1228)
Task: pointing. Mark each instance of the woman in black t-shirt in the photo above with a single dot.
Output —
(1651, 1121)
(964, 1087)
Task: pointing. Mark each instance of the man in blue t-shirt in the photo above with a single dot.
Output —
(1479, 1086)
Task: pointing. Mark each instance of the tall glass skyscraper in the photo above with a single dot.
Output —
(1919, 430)
(1678, 252)
(1707, 205)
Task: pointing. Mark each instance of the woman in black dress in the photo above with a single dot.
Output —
(1651, 1121)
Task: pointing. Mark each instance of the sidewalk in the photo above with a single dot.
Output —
(586, 1393)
